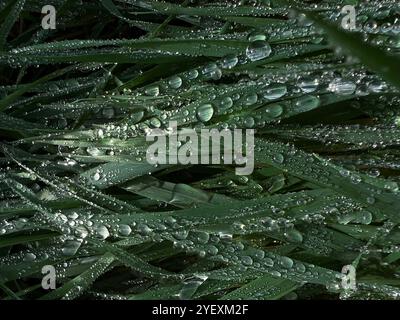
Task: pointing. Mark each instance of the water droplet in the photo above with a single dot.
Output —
(308, 85)
(124, 230)
(226, 103)
(370, 200)
(294, 236)
(29, 257)
(211, 71)
(96, 176)
(205, 112)
(153, 90)
(203, 237)
(307, 103)
(249, 122)
(258, 50)
(365, 217)
(255, 35)
(269, 262)
(108, 112)
(81, 232)
(342, 87)
(175, 82)
(247, 260)
(279, 158)
(274, 111)
(102, 232)
(275, 273)
(190, 286)
(286, 262)
(275, 91)
(192, 74)
(377, 86)
(229, 62)
(70, 247)
(155, 122)
(250, 99)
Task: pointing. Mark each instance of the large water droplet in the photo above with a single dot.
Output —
(124, 230)
(70, 247)
(258, 50)
(275, 91)
(229, 61)
(286, 262)
(153, 91)
(279, 158)
(225, 103)
(250, 99)
(247, 260)
(294, 236)
(274, 111)
(307, 103)
(102, 232)
(175, 82)
(308, 85)
(205, 112)
(81, 232)
(342, 87)
(29, 257)
(377, 86)
(211, 71)
(192, 74)
(190, 286)
(255, 36)
(96, 176)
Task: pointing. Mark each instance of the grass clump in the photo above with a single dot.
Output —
(78, 194)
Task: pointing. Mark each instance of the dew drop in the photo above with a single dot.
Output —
(250, 99)
(258, 50)
(294, 236)
(286, 262)
(29, 257)
(275, 91)
(226, 103)
(96, 176)
(274, 111)
(342, 87)
(229, 62)
(205, 112)
(70, 247)
(308, 85)
(175, 82)
(279, 158)
(152, 91)
(124, 230)
(102, 232)
(307, 103)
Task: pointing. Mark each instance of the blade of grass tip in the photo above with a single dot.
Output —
(6, 101)
(374, 58)
(134, 262)
(265, 287)
(75, 287)
(9, 292)
(156, 31)
(228, 23)
(9, 21)
(23, 292)
(14, 240)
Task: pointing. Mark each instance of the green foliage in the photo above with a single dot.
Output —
(77, 192)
